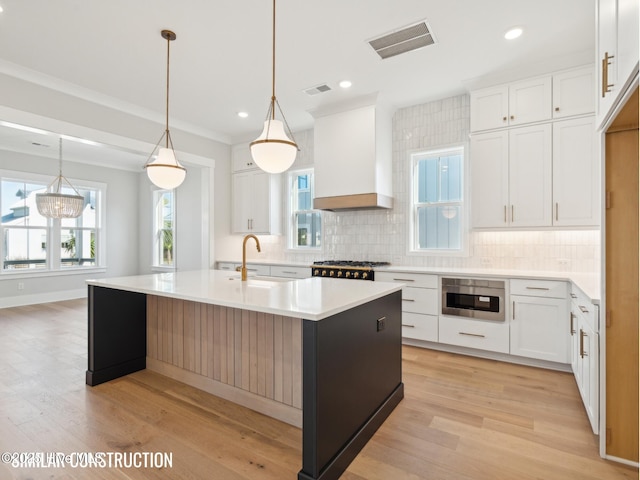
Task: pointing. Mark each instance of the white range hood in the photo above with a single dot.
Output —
(352, 157)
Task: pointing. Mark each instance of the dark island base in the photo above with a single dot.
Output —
(351, 370)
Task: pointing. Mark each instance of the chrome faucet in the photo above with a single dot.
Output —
(243, 269)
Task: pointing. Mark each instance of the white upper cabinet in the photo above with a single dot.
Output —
(241, 159)
(617, 46)
(530, 176)
(530, 101)
(489, 108)
(573, 93)
(576, 199)
(507, 105)
(490, 179)
(256, 205)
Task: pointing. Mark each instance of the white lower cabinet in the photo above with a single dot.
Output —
(540, 320)
(419, 304)
(585, 354)
(481, 334)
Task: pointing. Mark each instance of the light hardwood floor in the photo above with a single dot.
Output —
(462, 417)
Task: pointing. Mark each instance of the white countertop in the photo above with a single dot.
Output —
(309, 298)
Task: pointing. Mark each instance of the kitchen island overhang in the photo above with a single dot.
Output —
(350, 346)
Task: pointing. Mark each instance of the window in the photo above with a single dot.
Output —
(27, 236)
(306, 223)
(437, 200)
(164, 228)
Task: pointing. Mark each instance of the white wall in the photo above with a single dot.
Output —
(121, 230)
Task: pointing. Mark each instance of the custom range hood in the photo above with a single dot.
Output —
(352, 156)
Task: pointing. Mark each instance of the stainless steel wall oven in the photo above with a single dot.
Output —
(473, 298)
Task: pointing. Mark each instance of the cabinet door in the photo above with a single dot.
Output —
(489, 179)
(261, 205)
(627, 40)
(539, 328)
(530, 101)
(576, 197)
(589, 376)
(573, 92)
(241, 158)
(241, 202)
(530, 176)
(606, 40)
(489, 108)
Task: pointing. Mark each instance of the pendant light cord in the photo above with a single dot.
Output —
(167, 109)
(273, 65)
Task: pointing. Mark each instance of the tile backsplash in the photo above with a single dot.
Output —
(382, 235)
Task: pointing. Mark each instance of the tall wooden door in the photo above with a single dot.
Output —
(622, 247)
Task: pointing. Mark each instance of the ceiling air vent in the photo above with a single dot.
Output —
(317, 89)
(403, 40)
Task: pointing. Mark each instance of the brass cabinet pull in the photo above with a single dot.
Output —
(404, 279)
(504, 119)
(512, 212)
(583, 309)
(471, 334)
(408, 326)
(513, 310)
(605, 73)
(572, 318)
(290, 273)
(408, 300)
(505, 214)
(537, 288)
(582, 352)
(557, 109)
(512, 117)
(556, 211)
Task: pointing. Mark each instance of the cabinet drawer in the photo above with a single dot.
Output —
(539, 288)
(226, 266)
(474, 334)
(420, 327)
(411, 279)
(290, 272)
(420, 300)
(253, 269)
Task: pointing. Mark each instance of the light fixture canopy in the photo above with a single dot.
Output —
(274, 151)
(165, 171)
(55, 204)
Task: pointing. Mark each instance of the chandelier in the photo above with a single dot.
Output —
(165, 171)
(55, 204)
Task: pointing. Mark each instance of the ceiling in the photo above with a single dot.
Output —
(221, 60)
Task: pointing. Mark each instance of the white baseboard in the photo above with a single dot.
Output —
(30, 299)
(624, 461)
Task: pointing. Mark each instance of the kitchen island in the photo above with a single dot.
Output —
(324, 354)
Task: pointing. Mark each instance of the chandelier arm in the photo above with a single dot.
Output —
(62, 177)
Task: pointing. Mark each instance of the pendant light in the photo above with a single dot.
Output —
(165, 171)
(273, 151)
(55, 204)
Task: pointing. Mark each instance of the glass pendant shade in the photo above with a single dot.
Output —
(165, 171)
(273, 151)
(59, 205)
(55, 204)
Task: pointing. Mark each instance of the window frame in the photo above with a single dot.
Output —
(292, 237)
(156, 252)
(413, 204)
(54, 228)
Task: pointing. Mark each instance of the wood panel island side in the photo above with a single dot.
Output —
(321, 354)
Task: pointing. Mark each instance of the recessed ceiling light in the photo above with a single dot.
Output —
(512, 33)
(243, 114)
(345, 84)
(1, 9)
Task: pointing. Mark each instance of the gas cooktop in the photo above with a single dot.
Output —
(350, 263)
